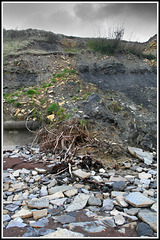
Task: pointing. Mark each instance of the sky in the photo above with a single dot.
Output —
(84, 19)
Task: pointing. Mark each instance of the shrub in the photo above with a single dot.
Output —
(52, 108)
(109, 44)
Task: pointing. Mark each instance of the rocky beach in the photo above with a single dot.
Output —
(80, 138)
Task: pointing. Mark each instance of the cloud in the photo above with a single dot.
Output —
(84, 19)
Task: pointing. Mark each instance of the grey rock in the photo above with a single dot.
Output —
(17, 222)
(33, 232)
(18, 203)
(79, 202)
(149, 217)
(6, 218)
(108, 204)
(11, 207)
(147, 157)
(61, 188)
(39, 203)
(144, 229)
(137, 199)
(58, 202)
(52, 183)
(154, 184)
(92, 227)
(81, 174)
(119, 186)
(43, 191)
(65, 219)
(94, 201)
(63, 233)
(40, 223)
(133, 211)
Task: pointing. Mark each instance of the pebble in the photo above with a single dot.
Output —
(128, 198)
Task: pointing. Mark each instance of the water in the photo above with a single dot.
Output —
(14, 138)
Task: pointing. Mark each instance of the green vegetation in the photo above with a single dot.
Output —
(115, 106)
(75, 98)
(32, 91)
(17, 104)
(108, 45)
(52, 108)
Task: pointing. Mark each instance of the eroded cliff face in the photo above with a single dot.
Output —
(117, 93)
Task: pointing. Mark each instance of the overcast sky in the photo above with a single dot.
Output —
(84, 19)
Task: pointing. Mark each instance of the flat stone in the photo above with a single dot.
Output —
(40, 170)
(91, 227)
(54, 211)
(154, 207)
(139, 169)
(40, 223)
(116, 193)
(17, 222)
(121, 200)
(78, 185)
(63, 233)
(71, 192)
(52, 183)
(129, 177)
(144, 175)
(6, 218)
(16, 173)
(39, 213)
(144, 229)
(147, 157)
(119, 219)
(108, 204)
(105, 195)
(137, 199)
(33, 232)
(54, 196)
(78, 203)
(116, 178)
(93, 201)
(39, 203)
(34, 173)
(58, 202)
(18, 203)
(17, 185)
(25, 171)
(43, 191)
(23, 213)
(119, 186)
(65, 219)
(61, 188)
(133, 211)
(98, 179)
(81, 174)
(149, 217)
(11, 207)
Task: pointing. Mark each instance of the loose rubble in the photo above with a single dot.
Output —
(105, 197)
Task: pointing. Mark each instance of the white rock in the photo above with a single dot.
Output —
(63, 233)
(81, 174)
(23, 213)
(147, 157)
(121, 201)
(79, 202)
(98, 179)
(119, 219)
(144, 175)
(34, 173)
